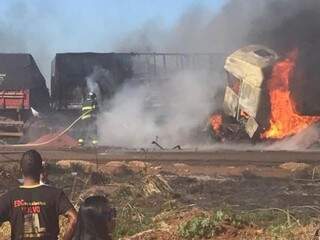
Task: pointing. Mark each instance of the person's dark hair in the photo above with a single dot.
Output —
(95, 215)
(31, 164)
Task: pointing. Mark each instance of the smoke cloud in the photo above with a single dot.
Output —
(288, 25)
(170, 111)
(101, 80)
(198, 30)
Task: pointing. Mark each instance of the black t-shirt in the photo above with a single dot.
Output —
(33, 212)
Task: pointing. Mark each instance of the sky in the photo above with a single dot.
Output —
(81, 25)
(46, 27)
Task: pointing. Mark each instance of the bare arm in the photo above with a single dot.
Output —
(4, 208)
(72, 222)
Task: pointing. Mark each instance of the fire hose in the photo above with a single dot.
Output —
(55, 137)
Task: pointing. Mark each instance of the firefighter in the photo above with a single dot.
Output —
(88, 131)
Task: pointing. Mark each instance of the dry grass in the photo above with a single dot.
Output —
(149, 209)
(281, 233)
(5, 231)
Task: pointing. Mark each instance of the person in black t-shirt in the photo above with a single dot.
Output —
(33, 209)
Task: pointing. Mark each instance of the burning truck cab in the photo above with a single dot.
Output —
(245, 106)
(259, 101)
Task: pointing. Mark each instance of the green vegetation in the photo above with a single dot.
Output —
(208, 226)
(273, 224)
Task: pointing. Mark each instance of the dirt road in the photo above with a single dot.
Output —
(223, 157)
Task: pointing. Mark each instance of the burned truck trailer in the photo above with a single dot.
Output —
(22, 88)
(72, 72)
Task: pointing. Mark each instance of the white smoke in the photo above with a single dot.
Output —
(170, 111)
(99, 80)
(92, 82)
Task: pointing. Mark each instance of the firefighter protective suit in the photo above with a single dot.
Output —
(88, 128)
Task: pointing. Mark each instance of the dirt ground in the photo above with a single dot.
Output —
(180, 201)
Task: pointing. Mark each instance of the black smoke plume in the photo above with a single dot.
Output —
(288, 25)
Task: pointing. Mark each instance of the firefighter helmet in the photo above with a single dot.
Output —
(92, 96)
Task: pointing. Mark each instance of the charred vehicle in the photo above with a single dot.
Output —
(246, 107)
(246, 96)
(261, 102)
(73, 73)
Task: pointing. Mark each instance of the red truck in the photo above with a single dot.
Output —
(15, 110)
(22, 88)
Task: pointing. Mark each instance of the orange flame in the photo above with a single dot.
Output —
(284, 119)
(216, 122)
